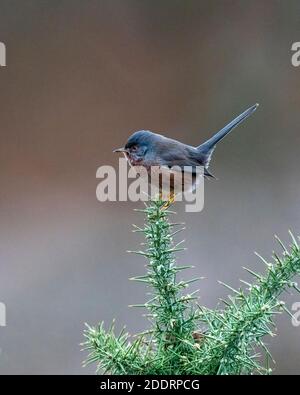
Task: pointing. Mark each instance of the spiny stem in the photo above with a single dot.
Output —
(188, 339)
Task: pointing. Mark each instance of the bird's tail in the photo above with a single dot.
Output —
(207, 148)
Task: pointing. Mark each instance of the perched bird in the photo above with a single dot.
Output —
(147, 149)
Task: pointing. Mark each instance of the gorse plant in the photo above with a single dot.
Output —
(185, 338)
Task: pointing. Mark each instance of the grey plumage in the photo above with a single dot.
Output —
(145, 148)
(208, 147)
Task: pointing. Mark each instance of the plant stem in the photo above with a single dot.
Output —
(189, 339)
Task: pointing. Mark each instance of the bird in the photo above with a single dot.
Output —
(149, 150)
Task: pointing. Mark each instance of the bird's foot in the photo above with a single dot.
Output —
(169, 202)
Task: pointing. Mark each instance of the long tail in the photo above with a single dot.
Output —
(208, 146)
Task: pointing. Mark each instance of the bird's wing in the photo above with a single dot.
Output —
(181, 156)
(187, 158)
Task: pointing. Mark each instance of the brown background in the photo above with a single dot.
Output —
(80, 77)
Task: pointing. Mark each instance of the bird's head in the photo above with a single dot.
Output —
(138, 145)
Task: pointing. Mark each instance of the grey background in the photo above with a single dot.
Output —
(80, 77)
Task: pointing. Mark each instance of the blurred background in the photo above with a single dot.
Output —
(80, 77)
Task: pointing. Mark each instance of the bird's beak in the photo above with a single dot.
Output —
(120, 150)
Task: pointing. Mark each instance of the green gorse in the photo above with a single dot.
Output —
(185, 338)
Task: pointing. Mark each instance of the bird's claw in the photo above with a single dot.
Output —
(169, 202)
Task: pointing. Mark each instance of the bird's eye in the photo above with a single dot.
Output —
(134, 148)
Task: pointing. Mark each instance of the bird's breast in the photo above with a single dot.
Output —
(164, 178)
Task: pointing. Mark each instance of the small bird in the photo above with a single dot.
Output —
(147, 149)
